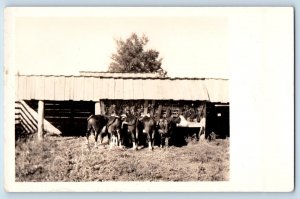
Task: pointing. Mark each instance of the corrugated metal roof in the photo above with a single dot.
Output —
(218, 90)
(91, 88)
(119, 75)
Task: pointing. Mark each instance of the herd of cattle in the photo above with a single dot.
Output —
(135, 128)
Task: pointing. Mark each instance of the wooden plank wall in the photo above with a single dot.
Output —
(69, 117)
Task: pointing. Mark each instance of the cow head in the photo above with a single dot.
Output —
(163, 126)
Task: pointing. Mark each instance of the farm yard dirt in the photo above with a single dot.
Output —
(68, 159)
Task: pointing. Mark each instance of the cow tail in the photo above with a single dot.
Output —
(89, 117)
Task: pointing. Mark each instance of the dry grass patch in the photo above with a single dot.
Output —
(68, 159)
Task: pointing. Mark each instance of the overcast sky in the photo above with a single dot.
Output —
(191, 46)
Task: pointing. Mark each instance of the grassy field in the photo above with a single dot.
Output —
(69, 159)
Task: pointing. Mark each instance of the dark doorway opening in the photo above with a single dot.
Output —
(217, 120)
(70, 117)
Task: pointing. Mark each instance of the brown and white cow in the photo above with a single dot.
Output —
(113, 128)
(102, 124)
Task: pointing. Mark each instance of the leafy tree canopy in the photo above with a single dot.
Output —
(132, 57)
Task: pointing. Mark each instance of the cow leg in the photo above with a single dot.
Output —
(116, 140)
(161, 140)
(96, 131)
(110, 140)
(103, 131)
(119, 141)
(136, 137)
(167, 141)
(87, 135)
(113, 141)
(149, 142)
(101, 138)
(134, 146)
(152, 139)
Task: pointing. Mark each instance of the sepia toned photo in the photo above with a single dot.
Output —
(120, 95)
(129, 119)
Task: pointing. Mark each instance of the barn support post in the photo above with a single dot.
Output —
(102, 107)
(203, 126)
(152, 111)
(145, 107)
(204, 116)
(40, 120)
(97, 108)
(204, 111)
(159, 109)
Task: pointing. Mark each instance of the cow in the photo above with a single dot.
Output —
(130, 124)
(113, 129)
(96, 123)
(148, 126)
(102, 124)
(129, 127)
(166, 127)
(163, 131)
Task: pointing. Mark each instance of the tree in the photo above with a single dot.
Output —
(132, 57)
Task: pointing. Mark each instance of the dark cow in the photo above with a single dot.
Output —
(96, 123)
(165, 128)
(148, 125)
(130, 122)
(129, 127)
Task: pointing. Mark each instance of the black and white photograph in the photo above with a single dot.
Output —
(129, 95)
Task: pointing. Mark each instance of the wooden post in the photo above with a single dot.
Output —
(152, 111)
(40, 120)
(102, 107)
(204, 115)
(97, 108)
(145, 107)
(203, 120)
(159, 109)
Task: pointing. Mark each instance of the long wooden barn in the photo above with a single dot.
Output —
(66, 101)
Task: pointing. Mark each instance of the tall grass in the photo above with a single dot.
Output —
(69, 159)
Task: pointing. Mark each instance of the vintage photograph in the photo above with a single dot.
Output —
(142, 96)
(121, 99)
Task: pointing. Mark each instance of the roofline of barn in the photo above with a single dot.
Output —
(87, 88)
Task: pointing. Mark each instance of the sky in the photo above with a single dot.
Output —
(191, 46)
